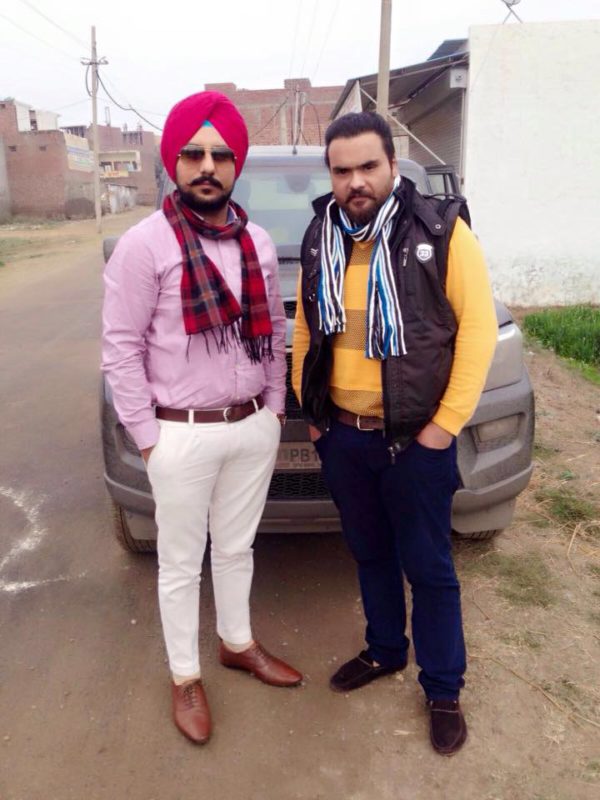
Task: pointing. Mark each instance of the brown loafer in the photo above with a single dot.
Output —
(448, 729)
(261, 664)
(191, 712)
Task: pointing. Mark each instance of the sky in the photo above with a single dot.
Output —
(158, 53)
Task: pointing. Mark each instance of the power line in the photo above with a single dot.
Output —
(21, 28)
(144, 110)
(295, 37)
(70, 105)
(310, 30)
(329, 27)
(52, 22)
(314, 108)
(125, 108)
(266, 125)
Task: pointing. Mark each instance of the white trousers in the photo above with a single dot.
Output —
(209, 475)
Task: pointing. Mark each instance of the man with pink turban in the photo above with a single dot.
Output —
(194, 352)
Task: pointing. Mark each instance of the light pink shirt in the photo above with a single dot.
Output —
(146, 354)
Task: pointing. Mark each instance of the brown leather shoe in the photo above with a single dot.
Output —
(261, 664)
(191, 712)
(448, 729)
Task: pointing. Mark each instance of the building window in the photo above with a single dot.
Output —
(12, 148)
(42, 147)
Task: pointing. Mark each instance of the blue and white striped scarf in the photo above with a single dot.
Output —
(385, 330)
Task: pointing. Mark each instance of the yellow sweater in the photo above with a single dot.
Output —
(356, 380)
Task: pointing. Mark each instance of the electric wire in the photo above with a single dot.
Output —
(310, 31)
(327, 33)
(70, 105)
(56, 25)
(298, 9)
(35, 36)
(125, 108)
(316, 112)
(266, 125)
(143, 110)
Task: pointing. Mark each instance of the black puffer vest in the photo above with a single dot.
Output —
(413, 384)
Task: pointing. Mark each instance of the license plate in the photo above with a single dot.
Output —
(297, 455)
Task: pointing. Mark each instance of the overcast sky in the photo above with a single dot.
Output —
(161, 52)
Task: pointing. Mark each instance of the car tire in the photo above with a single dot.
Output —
(123, 533)
(480, 536)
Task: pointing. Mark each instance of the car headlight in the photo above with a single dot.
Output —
(507, 364)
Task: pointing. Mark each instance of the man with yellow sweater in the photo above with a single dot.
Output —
(395, 331)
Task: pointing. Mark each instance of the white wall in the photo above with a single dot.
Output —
(23, 120)
(533, 159)
(46, 120)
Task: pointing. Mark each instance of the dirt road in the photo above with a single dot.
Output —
(84, 704)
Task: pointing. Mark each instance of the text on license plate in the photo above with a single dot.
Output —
(297, 455)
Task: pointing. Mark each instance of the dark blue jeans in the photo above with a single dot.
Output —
(396, 520)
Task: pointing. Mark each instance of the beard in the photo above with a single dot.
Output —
(205, 205)
(364, 216)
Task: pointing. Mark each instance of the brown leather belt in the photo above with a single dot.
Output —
(229, 414)
(357, 420)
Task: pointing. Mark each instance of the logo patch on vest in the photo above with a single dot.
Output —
(424, 252)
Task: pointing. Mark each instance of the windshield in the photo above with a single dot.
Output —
(279, 197)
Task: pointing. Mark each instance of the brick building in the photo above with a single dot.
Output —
(127, 158)
(277, 116)
(48, 174)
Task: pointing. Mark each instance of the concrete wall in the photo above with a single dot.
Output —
(440, 128)
(533, 160)
(5, 204)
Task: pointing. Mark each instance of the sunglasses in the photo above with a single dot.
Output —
(196, 152)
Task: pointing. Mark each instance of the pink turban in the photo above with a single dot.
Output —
(188, 116)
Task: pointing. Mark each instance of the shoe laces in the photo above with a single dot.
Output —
(190, 695)
(261, 653)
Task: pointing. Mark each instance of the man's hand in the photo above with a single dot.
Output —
(314, 433)
(145, 453)
(434, 437)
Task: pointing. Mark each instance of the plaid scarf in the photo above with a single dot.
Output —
(207, 301)
(385, 329)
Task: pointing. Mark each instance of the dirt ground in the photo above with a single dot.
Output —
(531, 602)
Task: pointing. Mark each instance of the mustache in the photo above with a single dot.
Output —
(359, 193)
(206, 179)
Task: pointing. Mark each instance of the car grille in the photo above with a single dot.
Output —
(298, 485)
(292, 409)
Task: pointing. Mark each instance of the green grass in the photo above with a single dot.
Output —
(566, 507)
(523, 580)
(572, 332)
(522, 639)
(12, 248)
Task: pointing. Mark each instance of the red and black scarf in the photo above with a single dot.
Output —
(208, 303)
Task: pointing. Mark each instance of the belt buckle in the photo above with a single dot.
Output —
(358, 425)
(226, 412)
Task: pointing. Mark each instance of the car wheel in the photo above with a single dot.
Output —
(123, 533)
(480, 536)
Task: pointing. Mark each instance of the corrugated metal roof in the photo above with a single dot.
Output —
(450, 47)
(405, 82)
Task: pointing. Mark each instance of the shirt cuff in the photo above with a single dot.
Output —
(275, 402)
(449, 420)
(145, 434)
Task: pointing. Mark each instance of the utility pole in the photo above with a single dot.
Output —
(93, 62)
(383, 76)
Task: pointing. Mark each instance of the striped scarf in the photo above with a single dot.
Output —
(385, 329)
(207, 302)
